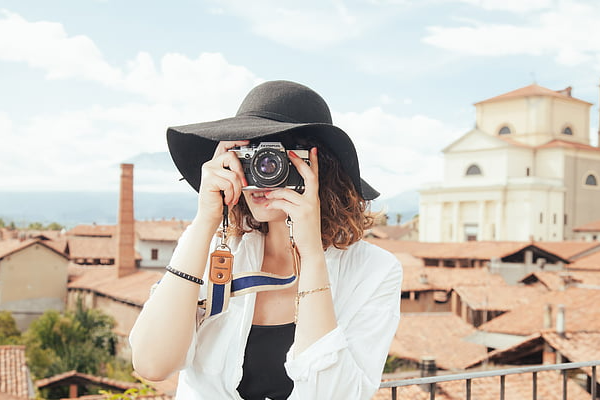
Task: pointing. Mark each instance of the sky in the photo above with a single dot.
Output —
(88, 84)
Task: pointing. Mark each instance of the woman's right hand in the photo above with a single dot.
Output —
(221, 176)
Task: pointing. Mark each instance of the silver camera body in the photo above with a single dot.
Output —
(267, 165)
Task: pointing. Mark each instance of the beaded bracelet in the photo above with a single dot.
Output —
(184, 275)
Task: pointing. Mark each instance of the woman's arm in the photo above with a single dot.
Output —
(163, 331)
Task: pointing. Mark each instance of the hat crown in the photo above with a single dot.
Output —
(285, 101)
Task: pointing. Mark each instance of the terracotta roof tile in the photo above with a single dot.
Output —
(498, 298)
(567, 145)
(80, 377)
(133, 289)
(442, 278)
(591, 262)
(169, 230)
(593, 226)
(8, 247)
(92, 247)
(14, 374)
(414, 340)
(476, 250)
(558, 280)
(581, 310)
(93, 230)
(530, 91)
(517, 387)
(568, 249)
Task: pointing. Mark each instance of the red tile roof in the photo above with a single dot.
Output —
(531, 91)
(581, 310)
(517, 387)
(498, 298)
(475, 250)
(442, 278)
(132, 289)
(93, 230)
(92, 247)
(169, 230)
(576, 346)
(8, 247)
(591, 262)
(564, 144)
(14, 374)
(568, 249)
(437, 335)
(593, 226)
(74, 376)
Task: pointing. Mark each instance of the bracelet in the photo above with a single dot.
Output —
(306, 293)
(184, 275)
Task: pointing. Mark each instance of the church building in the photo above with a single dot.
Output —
(527, 171)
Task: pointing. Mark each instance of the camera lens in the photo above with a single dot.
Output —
(269, 168)
(268, 165)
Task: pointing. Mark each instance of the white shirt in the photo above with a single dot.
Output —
(344, 364)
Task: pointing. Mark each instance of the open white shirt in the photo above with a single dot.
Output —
(346, 363)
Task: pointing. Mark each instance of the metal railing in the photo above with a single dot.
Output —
(502, 373)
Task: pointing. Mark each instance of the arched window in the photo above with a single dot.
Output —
(591, 180)
(505, 130)
(567, 131)
(473, 170)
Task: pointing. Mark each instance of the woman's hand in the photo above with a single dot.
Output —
(222, 180)
(303, 209)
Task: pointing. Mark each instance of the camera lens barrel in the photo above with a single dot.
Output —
(269, 167)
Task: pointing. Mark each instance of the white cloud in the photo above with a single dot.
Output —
(46, 45)
(311, 24)
(516, 6)
(397, 153)
(565, 31)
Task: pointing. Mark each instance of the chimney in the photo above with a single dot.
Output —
(548, 353)
(125, 258)
(427, 367)
(560, 320)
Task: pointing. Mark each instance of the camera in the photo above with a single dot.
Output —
(267, 165)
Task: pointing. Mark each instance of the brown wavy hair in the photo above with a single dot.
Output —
(344, 213)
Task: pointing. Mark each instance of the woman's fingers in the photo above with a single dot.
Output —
(224, 146)
(310, 173)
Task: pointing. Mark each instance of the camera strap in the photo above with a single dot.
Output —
(223, 284)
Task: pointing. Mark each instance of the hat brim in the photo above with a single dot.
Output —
(192, 145)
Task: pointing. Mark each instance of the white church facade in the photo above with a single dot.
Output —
(526, 172)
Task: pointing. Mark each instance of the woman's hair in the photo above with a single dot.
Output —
(344, 214)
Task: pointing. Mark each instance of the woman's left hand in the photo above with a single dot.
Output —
(304, 209)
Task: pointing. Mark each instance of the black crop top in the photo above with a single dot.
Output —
(263, 371)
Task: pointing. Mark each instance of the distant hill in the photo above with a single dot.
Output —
(72, 208)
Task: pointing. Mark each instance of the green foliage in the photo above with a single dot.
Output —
(9, 334)
(54, 226)
(2, 223)
(82, 340)
(392, 364)
(36, 226)
(129, 393)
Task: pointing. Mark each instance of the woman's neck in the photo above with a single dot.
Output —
(277, 240)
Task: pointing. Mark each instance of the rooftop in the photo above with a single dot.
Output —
(14, 374)
(413, 340)
(498, 298)
(535, 90)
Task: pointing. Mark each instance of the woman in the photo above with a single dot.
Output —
(325, 333)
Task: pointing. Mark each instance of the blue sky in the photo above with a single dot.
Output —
(88, 84)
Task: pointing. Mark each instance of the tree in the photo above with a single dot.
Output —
(2, 223)
(36, 226)
(54, 226)
(82, 340)
(9, 334)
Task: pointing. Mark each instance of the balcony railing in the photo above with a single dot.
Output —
(502, 373)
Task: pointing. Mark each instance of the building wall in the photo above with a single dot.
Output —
(581, 201)
(534, 119)
(165, 251)
(32, 281)
(422, 302)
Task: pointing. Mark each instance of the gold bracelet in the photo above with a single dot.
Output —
(306, 293)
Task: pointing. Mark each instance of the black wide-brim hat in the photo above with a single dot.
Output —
(271, 108)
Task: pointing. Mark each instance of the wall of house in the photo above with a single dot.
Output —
(413, 302)
(165, 251)
(32, 281)
(581, 200)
